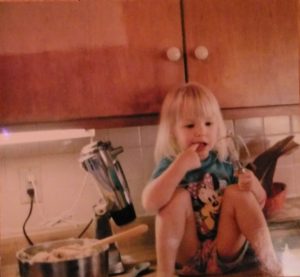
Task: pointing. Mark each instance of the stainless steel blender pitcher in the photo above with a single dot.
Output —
(100, 159)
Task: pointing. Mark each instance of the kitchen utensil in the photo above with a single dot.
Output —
(88, 266)
(100, 160)
(139, 269)
(276, 201)
(91, 265)
(264, 164)
(235, 144)
(134, 231)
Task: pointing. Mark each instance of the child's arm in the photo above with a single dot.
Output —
(248, 181)
(160, 190)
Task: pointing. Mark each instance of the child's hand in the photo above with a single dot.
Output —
(189, 159)
(247, 180)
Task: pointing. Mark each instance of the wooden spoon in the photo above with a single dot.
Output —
(134, 231)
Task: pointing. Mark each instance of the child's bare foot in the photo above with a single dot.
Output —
(273, 269)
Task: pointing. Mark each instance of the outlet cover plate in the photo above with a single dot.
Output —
(27, 175)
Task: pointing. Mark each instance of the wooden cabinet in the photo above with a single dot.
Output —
(107, 58)
(252, 50)
(87, 59)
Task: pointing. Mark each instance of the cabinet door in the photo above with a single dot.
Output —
(252, 50)
(96, 58)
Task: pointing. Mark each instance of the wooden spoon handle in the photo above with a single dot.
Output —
(135, 231)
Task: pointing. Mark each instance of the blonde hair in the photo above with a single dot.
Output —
(198, 101)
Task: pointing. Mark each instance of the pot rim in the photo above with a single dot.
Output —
(44, 246)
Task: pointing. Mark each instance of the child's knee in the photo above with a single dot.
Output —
(236, 196)
(181, 197)
(180, 201)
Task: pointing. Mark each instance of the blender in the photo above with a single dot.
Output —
(100, 159)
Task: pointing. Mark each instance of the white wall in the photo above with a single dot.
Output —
(61, 177)
(61, 182)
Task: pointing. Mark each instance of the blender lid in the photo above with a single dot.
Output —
(87, 149)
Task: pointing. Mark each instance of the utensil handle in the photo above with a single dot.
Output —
(135, 231)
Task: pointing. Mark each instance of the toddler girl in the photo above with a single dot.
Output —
(206, 217)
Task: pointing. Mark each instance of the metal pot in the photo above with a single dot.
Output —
(95, 265)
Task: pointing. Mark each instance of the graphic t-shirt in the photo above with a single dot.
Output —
(206, 185)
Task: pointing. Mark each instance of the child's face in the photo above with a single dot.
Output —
(196, 130)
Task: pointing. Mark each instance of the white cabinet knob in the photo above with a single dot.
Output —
(201, 53)
(173, 54)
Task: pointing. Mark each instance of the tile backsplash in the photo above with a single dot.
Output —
(67, 193)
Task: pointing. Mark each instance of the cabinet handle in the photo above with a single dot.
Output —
(201, 53)
(173, 54)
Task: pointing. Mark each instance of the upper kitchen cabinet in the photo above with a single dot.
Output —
(252, 48)
(86, 59)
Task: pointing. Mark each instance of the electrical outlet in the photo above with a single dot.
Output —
(30, 178)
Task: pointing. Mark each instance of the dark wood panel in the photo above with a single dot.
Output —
(253, 50)
(120, 70)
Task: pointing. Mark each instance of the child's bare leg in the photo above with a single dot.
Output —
(241, 219)
(175, 230)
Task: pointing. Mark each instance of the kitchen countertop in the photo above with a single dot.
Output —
(145, 254)
(284, 227)
(133, 251)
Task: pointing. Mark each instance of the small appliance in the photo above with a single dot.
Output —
(100, 159)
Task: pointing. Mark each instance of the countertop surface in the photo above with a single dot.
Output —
(133, 251)
(284, 227)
